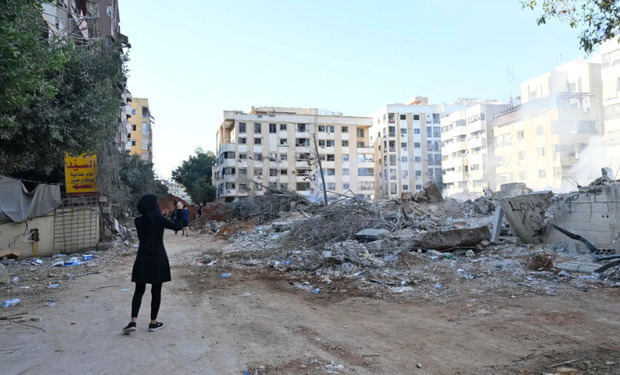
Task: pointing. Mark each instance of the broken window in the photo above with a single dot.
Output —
(242, 156)
(330, 143)
(258, 171)
(273, 172)
(391, 119)
(321, 128)
(302, 128)
(345, 129)
(329, 129)
(303, 186)
(321, 143)
(283, 142)
(257, 141)
(345, 143)
(302, 142)
(416, 117)
(273, 128)
(331, 157)
(403, 117)
(282, 126)
(283, 157)
(283, 171)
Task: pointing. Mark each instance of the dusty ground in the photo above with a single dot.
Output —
(259, 321)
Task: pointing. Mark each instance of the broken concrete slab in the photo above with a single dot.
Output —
(345, 251)
(577, 267)
(593, 212)
(371, 234)
(447, 239)
(432, 191)
(526, 215)
(379, 246)
(4, 275)
(498, 219)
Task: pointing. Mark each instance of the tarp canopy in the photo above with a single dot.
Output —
(17, 204)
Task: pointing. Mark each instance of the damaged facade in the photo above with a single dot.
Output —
(274, 147)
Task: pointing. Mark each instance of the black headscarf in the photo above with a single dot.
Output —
(148, 204)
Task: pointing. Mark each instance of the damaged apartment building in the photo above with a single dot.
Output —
(274, 147)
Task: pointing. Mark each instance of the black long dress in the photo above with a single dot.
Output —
(151, 265)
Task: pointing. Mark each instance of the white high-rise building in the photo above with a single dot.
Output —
(407, 143)
(467, 149)
(275, 147)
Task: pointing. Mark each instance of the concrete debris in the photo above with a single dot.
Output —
(429, 194)
(371, 234)
(4, 275)
(526, 215)
(454, 238)
(577, 267)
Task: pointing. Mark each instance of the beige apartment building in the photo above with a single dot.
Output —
(540, 141)
(407, 142)
(467, 149)
(275, 147)
(140, 140)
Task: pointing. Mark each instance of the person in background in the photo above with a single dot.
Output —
(199, 210)
(151, 265)
(177, 214)
(185, 216)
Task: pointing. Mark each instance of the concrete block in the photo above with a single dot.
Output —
(447, 239)
(526, 215)
(577, 267)
(371, 234)
(498, 218)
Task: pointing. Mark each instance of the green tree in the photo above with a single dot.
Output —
(55, 96)
(195, 175)
(598, 20)
(138, 175)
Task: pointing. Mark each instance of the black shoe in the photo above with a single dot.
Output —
(130, 327)
(155, 326)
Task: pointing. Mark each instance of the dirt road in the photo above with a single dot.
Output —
(258, 321)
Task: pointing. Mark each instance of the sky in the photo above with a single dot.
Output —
(193, 59)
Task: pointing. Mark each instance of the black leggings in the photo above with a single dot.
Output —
(137, 300)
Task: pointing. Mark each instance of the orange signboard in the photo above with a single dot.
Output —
(81, 173)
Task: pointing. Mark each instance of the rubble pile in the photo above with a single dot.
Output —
(266, 207)
(421, 244)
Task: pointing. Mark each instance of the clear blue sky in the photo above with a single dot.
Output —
(195, 58)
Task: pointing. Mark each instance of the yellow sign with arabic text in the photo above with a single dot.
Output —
(81, 173)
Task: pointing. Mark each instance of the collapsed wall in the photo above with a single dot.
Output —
(592, 212)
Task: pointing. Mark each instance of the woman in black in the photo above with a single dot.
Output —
(151, 265)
